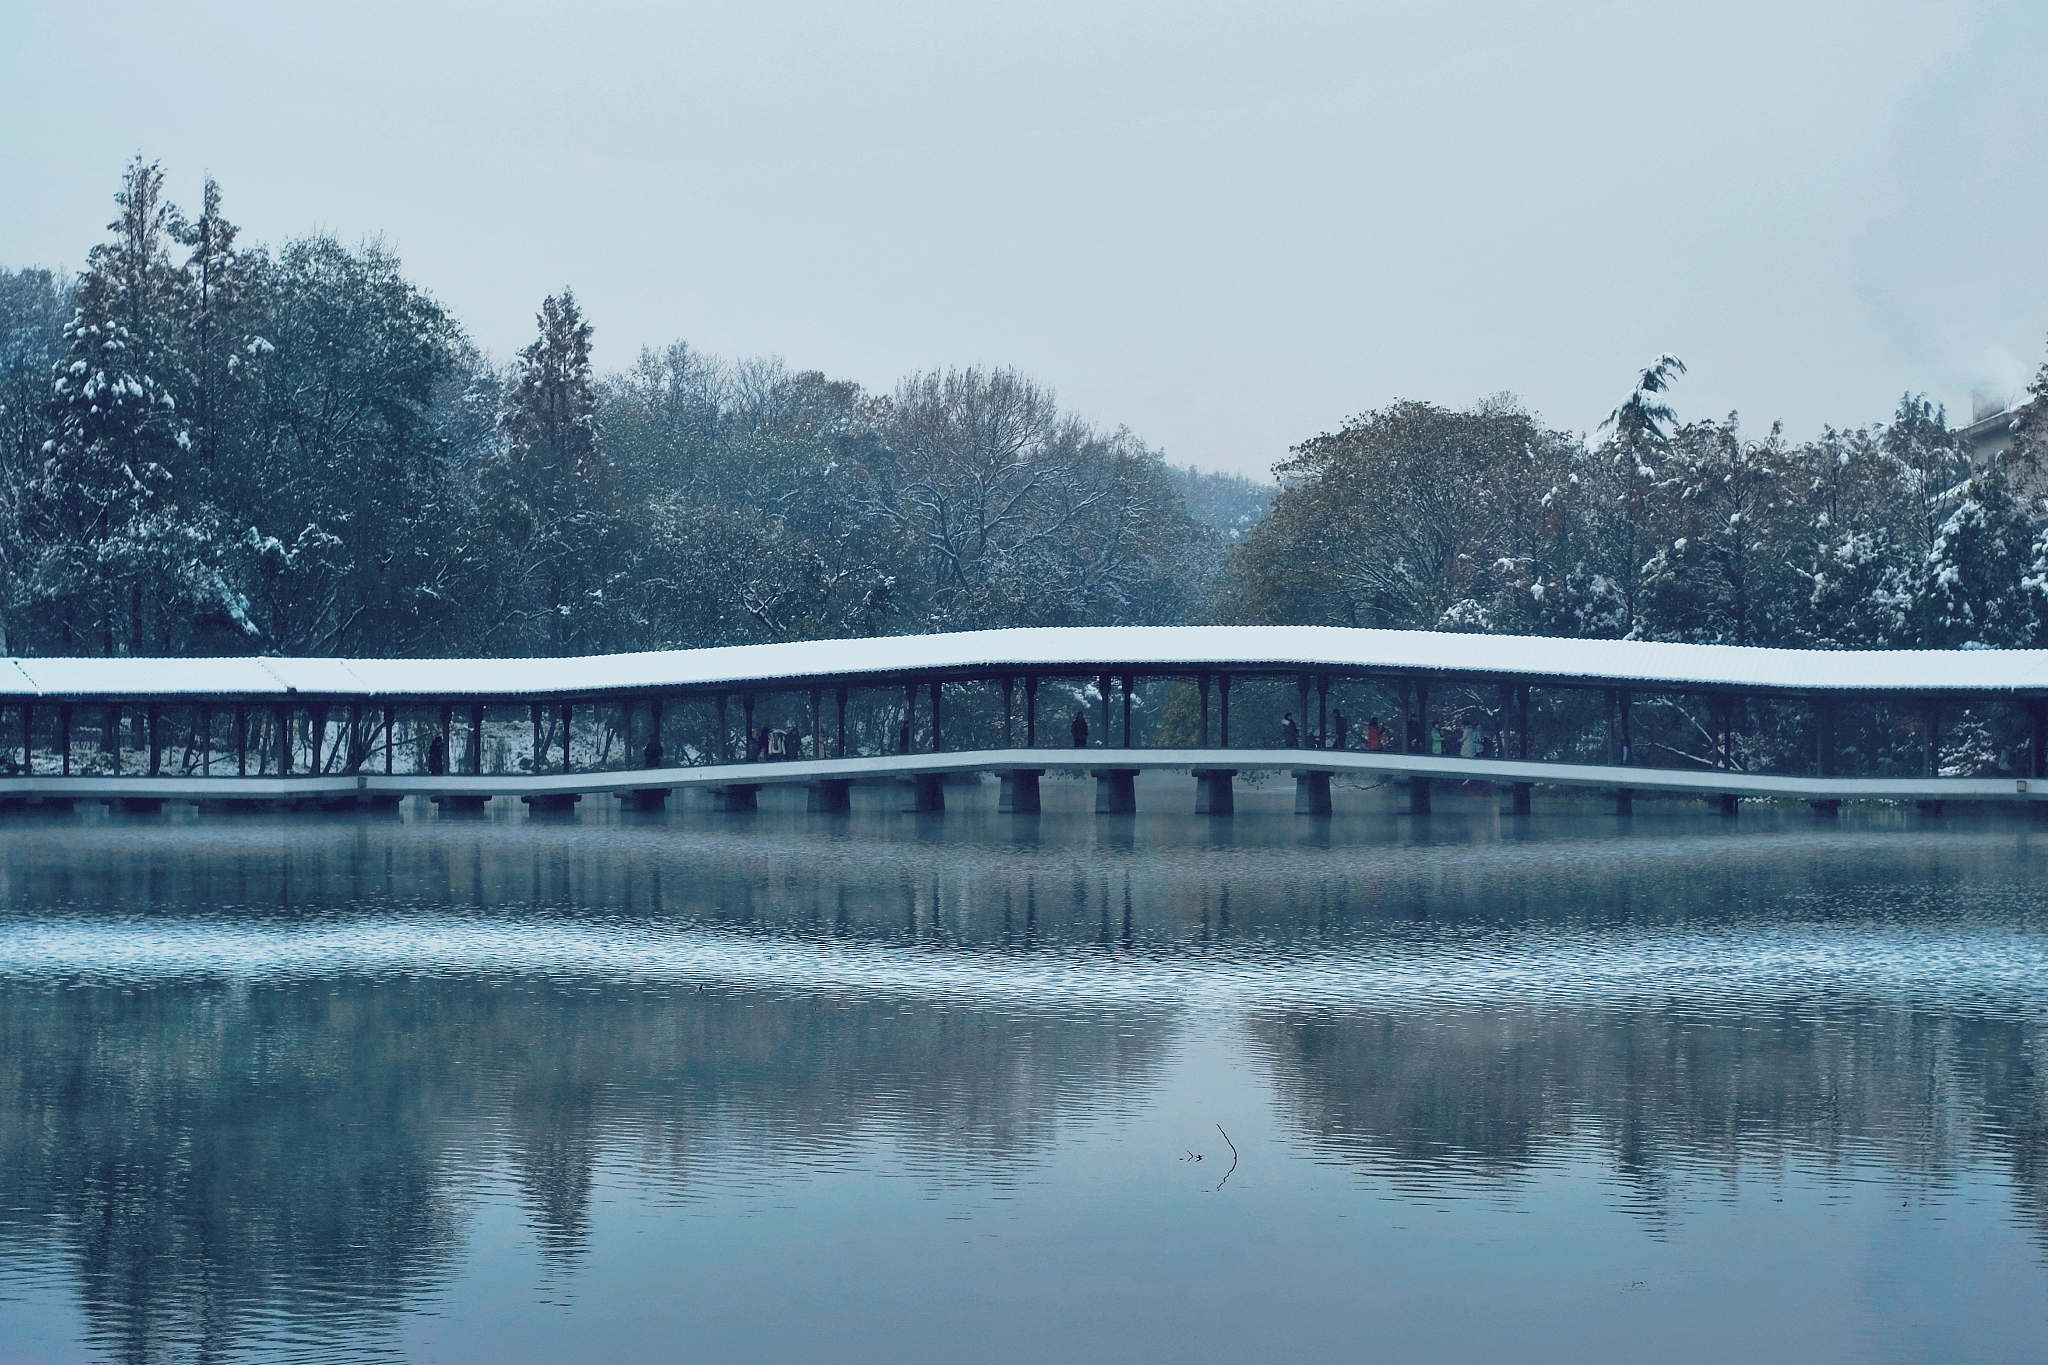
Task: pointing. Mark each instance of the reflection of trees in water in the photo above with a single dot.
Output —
(1667, 1097)
(212, 1159)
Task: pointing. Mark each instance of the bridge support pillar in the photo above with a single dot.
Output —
(139, 805)
(1215, 794)
(460, 804)
(555, 802)
(1826, 810)
(1928, 807)
(1728, 804)
(1524, 792)
(736, 796)
(829, 796)
(1020, 791)
(1311, 793)
(1116, 791)
(1418, 796)
(1624, 802)
(235, 805)
(645, 798)
(928, 793)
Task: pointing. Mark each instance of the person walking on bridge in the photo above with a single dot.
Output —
(1080, 729)
(1290, 733)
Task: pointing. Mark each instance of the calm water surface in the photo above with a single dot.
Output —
(1064, 1088)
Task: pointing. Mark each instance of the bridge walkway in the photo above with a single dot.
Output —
(1312, 767)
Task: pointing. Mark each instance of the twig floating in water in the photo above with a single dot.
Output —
(1233, 1158)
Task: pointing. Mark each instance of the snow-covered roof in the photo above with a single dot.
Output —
(1146, 649)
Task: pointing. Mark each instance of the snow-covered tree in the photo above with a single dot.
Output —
(102, 517)
(1971, 591)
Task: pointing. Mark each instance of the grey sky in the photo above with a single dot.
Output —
(1228, 227)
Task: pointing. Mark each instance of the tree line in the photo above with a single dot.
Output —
(1888, 536)
(208, 448)
(211, 448)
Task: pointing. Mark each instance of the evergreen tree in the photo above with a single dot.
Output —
(558, 454)
(1636, 442)
(217, 329)
(1972, 590)
(555, 508)
(101, 505)
(34, 305)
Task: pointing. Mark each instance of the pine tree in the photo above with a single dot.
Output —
(1637, 441)
(119, 433)
(551, 416)
(216, 328)
(1972, 591)
(560, 510)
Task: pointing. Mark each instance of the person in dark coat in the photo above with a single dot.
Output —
(1343, 729)
(1080, 728)
(651, 756)
(1290, 733)
(437, 755)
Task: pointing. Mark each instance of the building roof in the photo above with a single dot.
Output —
(1153, 650)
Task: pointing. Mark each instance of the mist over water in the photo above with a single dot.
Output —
(1059, 1087)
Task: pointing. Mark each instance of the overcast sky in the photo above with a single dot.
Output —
(1227, 227)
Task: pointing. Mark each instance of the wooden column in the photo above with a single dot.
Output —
(747, 719)
(390, 737)
(1322, 710)
(1008, 690)
(1203, 684)
(1421, 740)
(1102, 685)
(1031, 710)
(817, 726)
(909, 735)
(724, 731)
(539, 741)
(937, 745)
(28, 739)
(1223, 709)
(206, 744)
(110, 736)
(284, 740)
(1130, 682)
(241, 742)
(64, 738)
(839, 697)
(1824, 737)
(476, 741)
(565, 737)
(1301, 710)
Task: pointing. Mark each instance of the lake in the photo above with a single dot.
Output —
(884, 1086)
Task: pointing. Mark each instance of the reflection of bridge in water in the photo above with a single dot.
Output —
(1717, 722)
